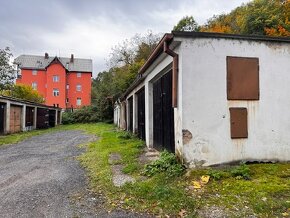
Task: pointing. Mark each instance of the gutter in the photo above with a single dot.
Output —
(168, 51)
(163, 46)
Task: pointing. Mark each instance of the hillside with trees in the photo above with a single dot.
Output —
(259, 17)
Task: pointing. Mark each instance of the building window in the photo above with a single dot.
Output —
(79, 74)
(67, 86)
(67, 100)
(55, 78)
(34, 86)
(79, 87)
(79, 101)
(34, 72)
(55, 92)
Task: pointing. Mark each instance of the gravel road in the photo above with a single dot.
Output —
(40, 177)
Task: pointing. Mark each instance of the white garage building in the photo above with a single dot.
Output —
(213, 98)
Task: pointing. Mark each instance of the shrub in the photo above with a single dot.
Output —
(83, 115)
(167, 163)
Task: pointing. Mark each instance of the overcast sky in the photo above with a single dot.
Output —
(89, 28)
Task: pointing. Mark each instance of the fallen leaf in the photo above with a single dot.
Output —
(205, 179)
(285, 214)
(196, 184)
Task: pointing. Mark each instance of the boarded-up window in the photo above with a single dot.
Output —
(239, 122)
(242, 78)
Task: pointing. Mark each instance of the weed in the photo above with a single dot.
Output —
(217, 174)
(166, 163)
(130, 168)
(125, 135)
(241, 172)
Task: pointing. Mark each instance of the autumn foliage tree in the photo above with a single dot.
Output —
(23, 92)
(259, 17)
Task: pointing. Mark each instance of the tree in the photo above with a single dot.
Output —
(258, 17)
(186, 24)
(23, 92)
(7, 73)
(125, 61)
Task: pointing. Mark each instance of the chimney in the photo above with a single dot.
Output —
(46, 55)
(72, 58)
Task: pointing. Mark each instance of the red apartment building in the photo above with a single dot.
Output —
(63, 82)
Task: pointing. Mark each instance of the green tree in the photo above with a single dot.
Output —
(125, 61)
(187, 24)
(7, 73)
(23, 92)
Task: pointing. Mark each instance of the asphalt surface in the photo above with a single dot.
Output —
(41, 177)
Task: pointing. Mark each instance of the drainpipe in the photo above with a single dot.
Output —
(168, 51)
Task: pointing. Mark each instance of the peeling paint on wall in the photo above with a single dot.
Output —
(187, 136)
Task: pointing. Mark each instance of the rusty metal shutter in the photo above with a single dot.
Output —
(239, 122)
(15, 119)
(242, 78)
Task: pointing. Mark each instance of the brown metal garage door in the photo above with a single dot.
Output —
(15, 119)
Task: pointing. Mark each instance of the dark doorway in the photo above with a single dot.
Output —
(130, 107)
(29, 116)
(42, 118)
(163, 113)
(58, 117)
(2, 115)
(52, 118)
(141, 113)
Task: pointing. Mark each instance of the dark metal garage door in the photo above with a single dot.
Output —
(130, 107)
(163, 113)
(141, 113)
(2, 113)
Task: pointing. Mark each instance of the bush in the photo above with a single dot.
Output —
(83, 115)
(167, 163)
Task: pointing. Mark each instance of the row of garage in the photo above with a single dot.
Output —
(18, 115)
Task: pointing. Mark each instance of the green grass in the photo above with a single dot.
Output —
(15, 138)
(260, 189)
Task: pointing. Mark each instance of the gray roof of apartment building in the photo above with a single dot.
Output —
(41, 63)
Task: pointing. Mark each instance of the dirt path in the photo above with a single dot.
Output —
(40, 177)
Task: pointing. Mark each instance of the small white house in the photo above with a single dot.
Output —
(213, 98)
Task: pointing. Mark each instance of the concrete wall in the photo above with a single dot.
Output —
(205, 109)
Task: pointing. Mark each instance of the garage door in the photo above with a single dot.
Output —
(15, 119)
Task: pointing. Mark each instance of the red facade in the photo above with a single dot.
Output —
(58, 85)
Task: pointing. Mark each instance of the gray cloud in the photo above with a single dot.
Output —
(89, 28)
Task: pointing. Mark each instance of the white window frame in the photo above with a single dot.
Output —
(79, 87)
(34, 85)
(67, 100)
(55, 78)
(79, 74)
(55, 92)
(79, 101)
(67, 86)
(34, 72)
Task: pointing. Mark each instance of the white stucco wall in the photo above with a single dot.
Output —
(205, 108)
